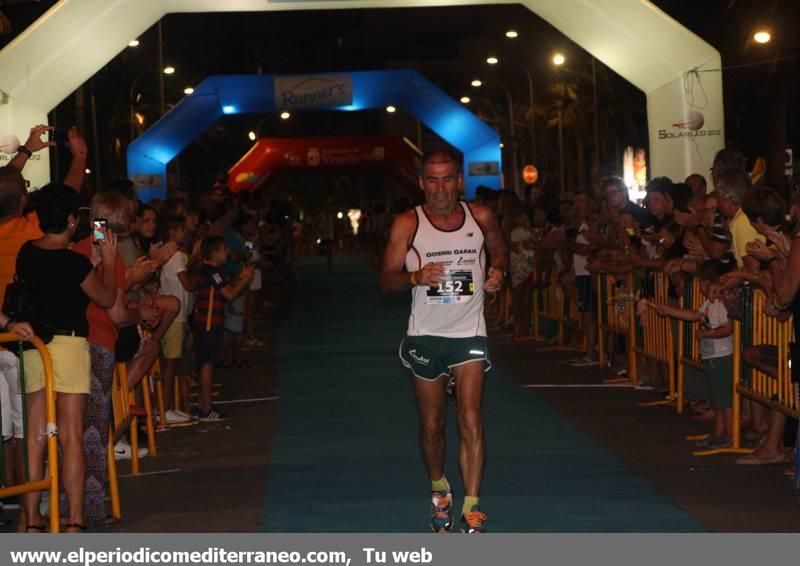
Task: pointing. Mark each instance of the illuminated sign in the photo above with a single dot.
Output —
(317, 91)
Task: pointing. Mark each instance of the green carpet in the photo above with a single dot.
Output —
(345, 456)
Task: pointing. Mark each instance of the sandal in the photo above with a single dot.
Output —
(34, 529)
(80, 528)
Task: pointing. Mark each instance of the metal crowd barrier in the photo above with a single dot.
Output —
(758, 328)
(124, 420)
(615, 315)
(688, 346)
(551, 302)
(50, 482)
(755, 328)
(654, 334)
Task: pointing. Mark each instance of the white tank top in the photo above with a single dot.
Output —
(453, 309)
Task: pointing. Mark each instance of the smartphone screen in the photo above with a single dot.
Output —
(99, 225)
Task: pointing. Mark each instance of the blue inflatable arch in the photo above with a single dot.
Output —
(217, 96)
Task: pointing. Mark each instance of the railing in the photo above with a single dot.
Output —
(615, 314)
(50, 482)
(654, 334)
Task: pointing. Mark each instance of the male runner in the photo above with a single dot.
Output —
(441, 245)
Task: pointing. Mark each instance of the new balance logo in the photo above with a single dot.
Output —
(469, 234)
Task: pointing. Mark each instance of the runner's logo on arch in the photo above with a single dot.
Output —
(318, 91)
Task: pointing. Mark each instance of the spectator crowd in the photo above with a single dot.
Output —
(732, 236)
(118, 281)
(181, 281)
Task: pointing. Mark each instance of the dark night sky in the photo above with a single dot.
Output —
(446, 44)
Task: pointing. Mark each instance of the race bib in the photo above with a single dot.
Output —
(456, 287)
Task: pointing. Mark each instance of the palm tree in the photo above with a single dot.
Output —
(5, 23)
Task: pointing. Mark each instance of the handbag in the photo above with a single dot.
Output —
(18, 304)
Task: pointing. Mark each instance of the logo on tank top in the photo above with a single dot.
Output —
(451, 252)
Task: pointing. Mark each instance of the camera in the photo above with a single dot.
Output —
(99, 226)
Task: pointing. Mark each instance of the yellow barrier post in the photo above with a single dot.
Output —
(615, 314)
(657, 343)
(535, 307)
(50, 483)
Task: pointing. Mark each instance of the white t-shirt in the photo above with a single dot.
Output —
(716, 315)
(579, 261)
(520, 234)
(171, 285)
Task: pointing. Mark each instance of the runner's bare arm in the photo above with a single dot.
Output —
(393, 277)
(498, 250)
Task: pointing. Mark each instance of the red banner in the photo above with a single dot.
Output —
(325, 155)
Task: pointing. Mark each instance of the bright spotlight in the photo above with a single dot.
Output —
(133, 43)
(465, 100)
(512, 34)
(558, 59)
(169, 70)
(391, 109)
(188, 90)
(762, 36)
(476, 83)
(285, 115)
(492, 60)
(340, 215)
(252, 136)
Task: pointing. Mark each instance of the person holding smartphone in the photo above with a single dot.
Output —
(110, 216)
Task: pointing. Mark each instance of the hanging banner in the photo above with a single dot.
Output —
(16, 121)
(687, 123)
(323, 155)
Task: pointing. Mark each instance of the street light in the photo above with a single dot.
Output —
(188, 90)
(465, 100)
(762, 36)
(131, 101)
(285, 115)
(133, 43)
(511, 132)
(492, 60)
(169, 70)
(252, 136)
(512, 34)
(559, 59)
(530, 103)
(391, 109)
(476, 83)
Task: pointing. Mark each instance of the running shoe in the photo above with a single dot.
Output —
(175, 417)
(212, 416)
(715, 442)
(451, 389)
(474, 522)
(441, 516)
(123, 450)
(584, 362)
